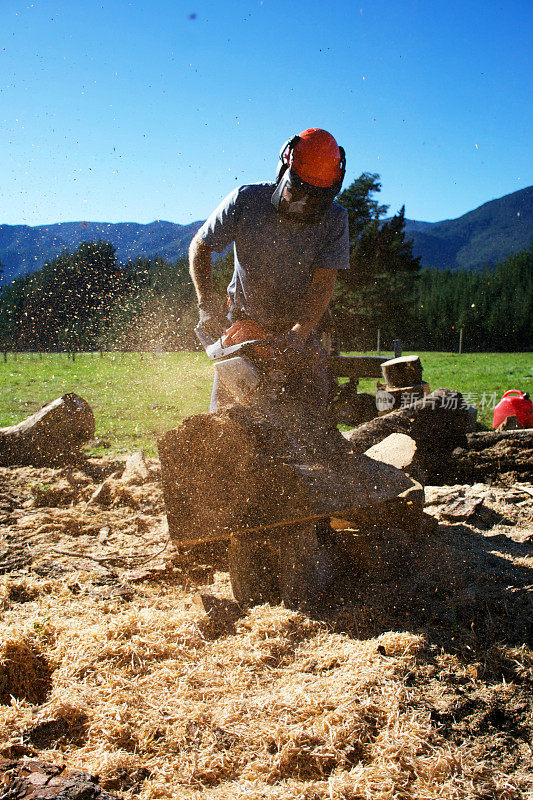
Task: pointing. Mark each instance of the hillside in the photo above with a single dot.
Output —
(483, 237)
(24, 249)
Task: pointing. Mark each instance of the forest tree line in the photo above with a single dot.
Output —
(87, 300)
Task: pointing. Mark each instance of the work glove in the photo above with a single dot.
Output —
(248, 330)
(213, 318)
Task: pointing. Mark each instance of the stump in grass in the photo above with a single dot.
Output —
(402, 371)
(261, 476)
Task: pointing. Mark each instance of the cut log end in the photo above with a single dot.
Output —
(438, 423)
(402, 371)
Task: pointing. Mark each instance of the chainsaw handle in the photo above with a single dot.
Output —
(204, 338)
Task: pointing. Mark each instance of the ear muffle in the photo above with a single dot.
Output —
(285, 156)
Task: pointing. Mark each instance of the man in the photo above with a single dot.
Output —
(289, 238)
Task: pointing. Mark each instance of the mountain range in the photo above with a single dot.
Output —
(482, 237)
(25, 248)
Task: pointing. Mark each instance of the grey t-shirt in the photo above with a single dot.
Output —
(274, 257)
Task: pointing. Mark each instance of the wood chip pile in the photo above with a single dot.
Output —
(107, 665)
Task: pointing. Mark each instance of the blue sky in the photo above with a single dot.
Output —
(134, 111)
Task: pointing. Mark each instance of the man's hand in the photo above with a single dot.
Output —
(292, 353)
(213, 317)
(315, 302)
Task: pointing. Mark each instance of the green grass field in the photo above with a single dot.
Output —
(135, 398)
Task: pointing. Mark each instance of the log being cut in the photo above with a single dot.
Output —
(266, 465)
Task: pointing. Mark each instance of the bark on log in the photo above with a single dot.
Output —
(483, 439)
(390, 398)
(491, 454)
(261, 468)
(438, 423)
(40, 780)
(52, 436)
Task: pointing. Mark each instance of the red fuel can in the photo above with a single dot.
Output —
(514, 403)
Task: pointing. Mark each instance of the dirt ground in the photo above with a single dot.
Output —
(414, 680)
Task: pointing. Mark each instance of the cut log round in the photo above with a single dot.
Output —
(52, 436)
(402, 371)
(397, 449)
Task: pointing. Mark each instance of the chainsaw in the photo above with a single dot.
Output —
(242, 366)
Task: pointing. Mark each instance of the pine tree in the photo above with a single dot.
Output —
(376, 291)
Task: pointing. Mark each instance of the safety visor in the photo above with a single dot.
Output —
(300, 201)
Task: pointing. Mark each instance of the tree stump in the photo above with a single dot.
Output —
(402, 371)
(52, 436)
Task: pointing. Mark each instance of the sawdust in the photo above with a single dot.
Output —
(417, 686)
(24, 671)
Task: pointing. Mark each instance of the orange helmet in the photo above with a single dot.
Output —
(315, 157)
(309, 176)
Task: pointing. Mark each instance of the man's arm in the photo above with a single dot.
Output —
(219, 231)
(315, 301)
(213, 317)
(201, 269)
